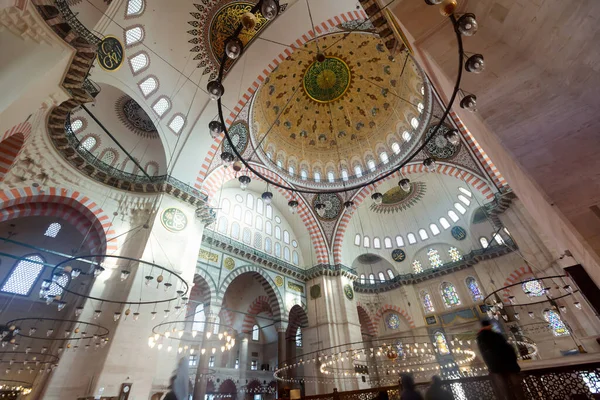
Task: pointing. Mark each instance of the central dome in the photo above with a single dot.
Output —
(339, 109)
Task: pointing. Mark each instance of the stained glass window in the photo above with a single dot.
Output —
(24, 275)
(399, 348)
(417, 268)
(392, 320)
(427, 303)
(434, 258)
(473, 287)
(454, 254)
(533, 288)
(440, 343)
(449, 294)
(556, 323)
(53, 230)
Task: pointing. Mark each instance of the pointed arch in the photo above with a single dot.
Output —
(203, 291)
(367, 328)
(259, 305)
(275, 300)
(297, 319)
(389, 307)
(516, 276)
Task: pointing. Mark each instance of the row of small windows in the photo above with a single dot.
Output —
(450, 295)
(381, 277)
(423, 234)
(485, 242)
(435, 260)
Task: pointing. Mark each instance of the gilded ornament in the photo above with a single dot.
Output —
(160, 278)
(315, 291)
(229, 263)
(348, 291)
(279, 281)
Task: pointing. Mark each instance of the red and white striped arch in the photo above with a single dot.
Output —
(259, 305)
(367, 328)
(28, 201)
(222, 175)
(516, 276)
(310, 35)
(11, 145)
(297, 319)
(390, 307)
(476, 182)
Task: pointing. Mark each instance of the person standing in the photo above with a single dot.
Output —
(436, 391)
(408, 388)
(501, 360)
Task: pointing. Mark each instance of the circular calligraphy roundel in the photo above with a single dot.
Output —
(173, 219)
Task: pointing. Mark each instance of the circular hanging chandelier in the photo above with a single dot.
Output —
(10, 385)
(216, 337)
(463, 25)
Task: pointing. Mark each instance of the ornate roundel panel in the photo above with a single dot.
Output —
(392, 321)
(440, 148)
(315, 291)
(133, 116)
(333, 205)
(348, 292)
(398, 255)
(328, 80)
(238, 132)
(459, 233)
(229, 263)
(279, 281)
(173, 219)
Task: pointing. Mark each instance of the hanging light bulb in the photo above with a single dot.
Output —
(404, 184)
(233, 47)
(32, 331)
(562, 309)
(208, 333)
(148, 278)
(244, 181)
(348, 206)
(169, 348)
(222, 349)
(215, 90)
(577, 305)
(153, 314)
(227, 158)
(194, 333)
(517, 316)
(214, 350)
(67, 333)
(49, 299)
(125, 274)
(61, 305)
(116, 316)
(475, 64)
(320, 208)
(136, 316)
(192, 350)
(469, 102)
(75, 272)
(452, 137)
(467, 24)
(78, 311)
(46, 284)
(293, 206)
(98, 270)
(202, 351)
(531, 314)
(215, 128)
(267, 197)
(97, 314)
(429, 164)
(180, 333)
(167, 312)
(49, 332)
(269, 9)
(377, 198)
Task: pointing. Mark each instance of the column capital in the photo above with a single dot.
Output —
(281, 326)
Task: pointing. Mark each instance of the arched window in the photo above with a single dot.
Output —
(237, 212)
(246, 236)
(466, 201)
(138, 62)
(444, 223)
(412, 239)
(371, 165)
(376, 243)
(255, 333)
(76, 125)
(286, 254)
(453, 216)
(222, 228)
(317, 176)
(454, 254)
(135, 7)
(250, 201)
(134, 35)
(235, 231)
(372, 279)
(89, 143)
(423, 234)
(473, 287)
(291, 170)
(295, 257)
(366, 242)
(426, 301)
(24, 275)
(148, 86)
(406, 136)
(357, 171)
(414, 122)
(484, 242)
(161, 106)
(465, 191)
(280, 164)
(387, 243)
(216, 326)
(417, 268)
(420, 107)
(225, 206)
(269, 211)
(259, 206)
(363, 279)
(399, 241)
(440, 343)
(434, 258)
(556, 323)
(434, 229)
(258, 223)
(533, 288)
(109, 157)
(357, 239)
(460, 208)
(381, 277)
(199, 319)
(277, 249)
(177, 123)
(303, 174)
(286, 237)
(268, 228)
(396, 148)
(299, 337)
(449, 294)
(390, 273)
(248, 217)
(268, 245)
(257, 240)
(498, 239)
(53, 230)
(344, 175)
(277, 232)
(384, 157)
(330, 176)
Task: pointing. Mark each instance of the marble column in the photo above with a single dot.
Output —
(202, 369)
(281, 353)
